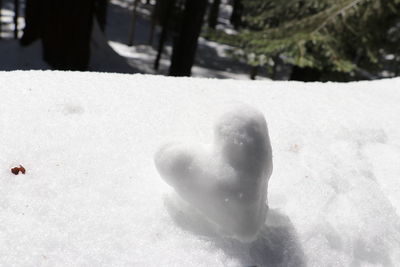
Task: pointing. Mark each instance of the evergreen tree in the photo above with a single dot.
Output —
(346, 36)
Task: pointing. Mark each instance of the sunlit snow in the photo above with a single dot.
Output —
(91, 195)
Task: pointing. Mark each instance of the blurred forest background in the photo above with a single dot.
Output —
(306, 40)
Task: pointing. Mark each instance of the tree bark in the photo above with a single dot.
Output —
(1, 4)
(214, 13)
(32, 22)
(305, 74)
(164, 32)
(153, 23)
(101, 13)
(254, 72)
(185, 44)
(16, 15)
(131, 36)
(237, 12)
(64, 26)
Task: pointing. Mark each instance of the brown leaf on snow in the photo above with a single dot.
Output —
(16, 170)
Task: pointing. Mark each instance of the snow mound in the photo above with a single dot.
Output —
(226, 182)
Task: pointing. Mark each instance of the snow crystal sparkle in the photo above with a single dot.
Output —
(227, 182)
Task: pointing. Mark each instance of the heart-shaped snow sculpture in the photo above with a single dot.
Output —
(227, 182)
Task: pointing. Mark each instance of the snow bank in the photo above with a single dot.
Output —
(227, 182)
(91, 195)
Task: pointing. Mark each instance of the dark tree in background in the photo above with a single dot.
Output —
(64, 27)
(305, 74)
(165, 17)
(16, 16)
(101, 13)
(185, 42)
(237, 13)
(1, 4)
(132, 32)
(214, 12)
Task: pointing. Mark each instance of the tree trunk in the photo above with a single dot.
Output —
(254, 72)
(305, 74)
(152, 24)
(1, 4)
(237, 12)
(131, 37)
(185, 44)
(16, 15)
(277, 68)
(158, 14)
(164, 32)
(64, 26)
(101, 13)
(32, 22)
(214, 13)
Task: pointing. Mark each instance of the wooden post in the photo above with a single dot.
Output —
(131, 36)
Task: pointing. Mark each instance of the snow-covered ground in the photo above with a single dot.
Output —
(91, 195)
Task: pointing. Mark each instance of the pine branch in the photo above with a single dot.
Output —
(335, 14)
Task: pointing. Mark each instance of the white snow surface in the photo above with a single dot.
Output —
(92, 196)
(227, 180)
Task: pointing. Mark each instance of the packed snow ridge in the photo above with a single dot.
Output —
(226, 182)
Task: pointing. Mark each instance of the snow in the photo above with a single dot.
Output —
(91, 195)
(226, 181)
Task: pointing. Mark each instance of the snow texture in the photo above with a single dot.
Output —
(227, 181)
(91, 195)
